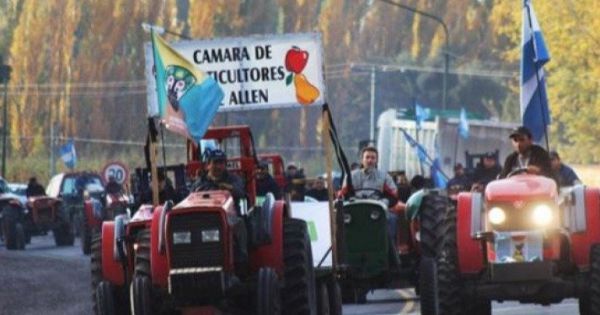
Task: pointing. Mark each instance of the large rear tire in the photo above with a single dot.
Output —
(12, 229)
(590, 303)
(299, 296)
(268, 294)
(432, 215)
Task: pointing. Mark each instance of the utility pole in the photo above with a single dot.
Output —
(372, 131)
(446, 49)
(5, 71)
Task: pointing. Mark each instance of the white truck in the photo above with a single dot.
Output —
(395, 153)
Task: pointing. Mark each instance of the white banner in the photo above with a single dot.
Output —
(255, 72)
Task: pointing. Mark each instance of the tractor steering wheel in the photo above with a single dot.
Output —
(368, 193)
(517, 171)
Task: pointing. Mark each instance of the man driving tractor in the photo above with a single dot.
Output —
(217, 177)
(368, 177)
(527, 155)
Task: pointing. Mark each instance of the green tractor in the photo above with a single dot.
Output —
(370, 259)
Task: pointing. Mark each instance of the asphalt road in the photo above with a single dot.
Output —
(45, 279)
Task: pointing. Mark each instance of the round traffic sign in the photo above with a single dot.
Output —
(117, 170)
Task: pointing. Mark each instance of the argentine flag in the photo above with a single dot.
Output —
(421, 114)
(534, 102)
(68, 154)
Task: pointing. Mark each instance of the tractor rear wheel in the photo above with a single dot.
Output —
(299, 296)
(268, 295)
(12, 229)
(106, 299)
(431, 218)
(141, 286)
(590, 303)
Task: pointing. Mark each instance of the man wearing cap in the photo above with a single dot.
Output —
(486, 172)
(527, 155)
(217, 177)
(265, 182)
(566, 175)
(460, 181)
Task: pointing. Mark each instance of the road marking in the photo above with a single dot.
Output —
(409, 304)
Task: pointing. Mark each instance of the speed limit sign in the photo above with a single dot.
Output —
(117, 170)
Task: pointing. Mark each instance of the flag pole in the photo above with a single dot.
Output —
(456, 142)
(417, 133)
(537, 77)
(152, 144)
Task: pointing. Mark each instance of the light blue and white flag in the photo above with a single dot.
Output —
(463, 124)
(534, 101)
(68, 154)
(421, 114)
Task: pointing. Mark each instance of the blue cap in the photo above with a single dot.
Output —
(214, 155)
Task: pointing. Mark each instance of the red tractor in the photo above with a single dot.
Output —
(522, 240)
(114, 249)
(186, 257)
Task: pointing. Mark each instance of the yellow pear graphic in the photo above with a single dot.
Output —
(306, 93)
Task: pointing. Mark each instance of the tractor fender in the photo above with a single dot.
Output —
(158, 260)
(259, 225)
(582, 242)
(119, 252)
(271, 254)
(112, 270)
(470, 252)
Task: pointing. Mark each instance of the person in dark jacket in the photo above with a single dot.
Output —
(165, 189)
(318, 191)
(34, 188)
(113, 187)
(527, 155)
(566, 175)
(217, 177)
(487, 171)
(460, 181)
(265, 182)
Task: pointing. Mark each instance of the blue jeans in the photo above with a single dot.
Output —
(392, 219)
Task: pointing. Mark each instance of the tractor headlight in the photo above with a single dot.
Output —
(347, 218)
(542, 215)
(86, 194)
(182, 237)
(375, 215)
(496, 215)
(210, 236)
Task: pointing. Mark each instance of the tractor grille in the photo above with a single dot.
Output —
(191, 287)
(196, 253)
(45, 215)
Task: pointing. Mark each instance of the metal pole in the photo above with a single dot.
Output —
(372, 125)
(4, 127)
(447, 56)
(52, 162)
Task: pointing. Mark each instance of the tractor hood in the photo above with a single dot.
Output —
(521, 187)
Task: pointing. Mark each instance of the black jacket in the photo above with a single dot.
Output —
(267, 184)
(34, 189)
(538, 156)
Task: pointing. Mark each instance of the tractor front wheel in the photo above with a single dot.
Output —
(140, 293)
(86, 238)
(268, 296)
(105, 303)
(299, 296)
(335, 297)
(590, 303)
(12, 229)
